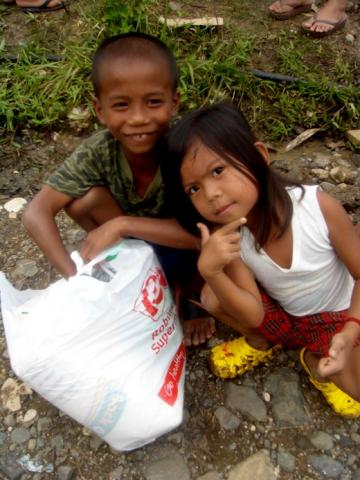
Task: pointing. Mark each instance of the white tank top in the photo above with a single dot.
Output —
(317, 280)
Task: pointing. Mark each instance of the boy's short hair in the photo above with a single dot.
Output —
(132, 45)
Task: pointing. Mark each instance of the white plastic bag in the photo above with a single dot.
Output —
(108, 351)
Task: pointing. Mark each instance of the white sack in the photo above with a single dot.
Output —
(108, 353)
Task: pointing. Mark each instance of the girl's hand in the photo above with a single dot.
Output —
(339, 352)
(220, 248)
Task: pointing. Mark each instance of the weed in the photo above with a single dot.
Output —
(41, 81)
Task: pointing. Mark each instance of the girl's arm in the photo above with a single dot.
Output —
(346, 243)
(229, 278)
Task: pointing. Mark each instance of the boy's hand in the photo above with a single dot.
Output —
(220, 248)
(102, 237)
(341, 345)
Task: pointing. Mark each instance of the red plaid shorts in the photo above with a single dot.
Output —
(311, 331)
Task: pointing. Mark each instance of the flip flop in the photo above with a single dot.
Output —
(44, 7)
(336, 26)
(296, 9)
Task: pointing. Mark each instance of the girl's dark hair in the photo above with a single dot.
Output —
(224, 129)
(140, 46)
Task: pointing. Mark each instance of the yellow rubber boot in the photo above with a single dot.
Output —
(231, 359)
(340, 401)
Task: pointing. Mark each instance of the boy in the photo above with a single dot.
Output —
(112, 185)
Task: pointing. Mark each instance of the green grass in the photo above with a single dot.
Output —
(214, 64)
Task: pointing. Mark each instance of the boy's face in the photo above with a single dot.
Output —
(136, 103)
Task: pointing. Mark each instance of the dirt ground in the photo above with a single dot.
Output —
(26, 157)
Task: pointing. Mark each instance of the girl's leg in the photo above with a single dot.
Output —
(96, 207)
(233, 358)
(348, 380)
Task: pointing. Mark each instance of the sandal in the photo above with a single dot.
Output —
(296, 9)
(335, 26)
(230, 359)
(44, 7)
(340, 401)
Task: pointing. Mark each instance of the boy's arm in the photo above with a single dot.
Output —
(39, 221)
(229, 278)
(346, 243)
(167, 232)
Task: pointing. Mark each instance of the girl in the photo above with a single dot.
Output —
(280, 260)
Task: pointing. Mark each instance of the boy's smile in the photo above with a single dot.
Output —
(136, 103)
(218, 191)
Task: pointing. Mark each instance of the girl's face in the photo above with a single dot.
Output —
(218, 191)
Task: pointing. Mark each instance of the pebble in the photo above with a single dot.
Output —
(322, 441)
(326, 466)
(286, 461)
(65, 472)
(227, 420)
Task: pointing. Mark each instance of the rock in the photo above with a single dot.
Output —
(25, 268)
(286, 461)
(9, 466)
(321, 160)
(326, 466)
(227, 420)
(210, 476)
(44, 424)
(169, 467)
(355, 159)
(257, 466)
(9, 395)
(353, 136)
(356, 475)
(15, 205)
(20, 435)
(320, 173)
(287, 402)
(341, 174)
(65, 472)
(29, 418)
(246, 401)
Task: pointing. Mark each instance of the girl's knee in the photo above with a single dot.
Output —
(210, 301)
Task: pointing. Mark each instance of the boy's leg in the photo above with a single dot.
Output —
(180, 267)
(96, 207)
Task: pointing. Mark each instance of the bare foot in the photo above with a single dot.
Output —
(37, 3)
(329, 16)
(287, 6)
(198, 330)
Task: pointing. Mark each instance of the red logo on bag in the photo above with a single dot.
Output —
(169, 390)
(150, 300)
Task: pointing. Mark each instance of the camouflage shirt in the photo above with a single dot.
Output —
(99, 160)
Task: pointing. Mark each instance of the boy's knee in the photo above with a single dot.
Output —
(81, 206)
